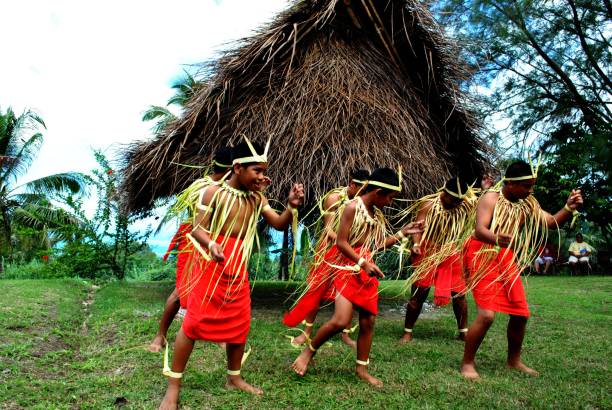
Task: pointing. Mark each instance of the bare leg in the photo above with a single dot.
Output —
(547, 267)
(343, 313)
(182, 350)
(475, 335)
(516, 334)
(413, 310)
(346, 336)
(573, 268)
(171, 308)
(536, 266)
(303, 337)
(364, 344)
(234, 362)
(460, 308)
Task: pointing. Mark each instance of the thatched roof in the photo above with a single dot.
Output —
(337, 86)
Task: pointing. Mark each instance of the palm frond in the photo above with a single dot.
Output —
(66, 182)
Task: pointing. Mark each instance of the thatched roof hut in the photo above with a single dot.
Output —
(338, 84)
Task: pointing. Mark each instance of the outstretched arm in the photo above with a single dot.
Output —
(413, 228)
(280, 222)
(574, 201)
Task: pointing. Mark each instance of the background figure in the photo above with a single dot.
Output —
(545, 258)
(580, 254)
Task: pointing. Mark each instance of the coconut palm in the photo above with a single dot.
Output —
(185, 87)
(28, 203)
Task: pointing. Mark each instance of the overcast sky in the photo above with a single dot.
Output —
(90, 68)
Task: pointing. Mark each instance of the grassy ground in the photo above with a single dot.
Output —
(64, 344)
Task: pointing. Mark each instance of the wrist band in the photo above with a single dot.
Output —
(416, 244)
(233, 372)
(400, 234)
(210, 244)
(361, 262)
(266, 207)
(568, 209)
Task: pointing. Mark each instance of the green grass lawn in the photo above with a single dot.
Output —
(59, 350)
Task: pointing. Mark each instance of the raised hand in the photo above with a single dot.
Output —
(296, 196)
(575, 199)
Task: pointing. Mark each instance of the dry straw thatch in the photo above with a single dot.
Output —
(338, 84)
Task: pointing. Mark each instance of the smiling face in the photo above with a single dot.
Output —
(251, 176)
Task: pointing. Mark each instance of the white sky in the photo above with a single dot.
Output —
(90, 69)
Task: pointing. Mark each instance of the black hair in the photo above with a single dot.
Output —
(360, 174)
(384, 175)
(242, 150)
(518, 169)
(579, 235)
(451, 185)
(222, 156)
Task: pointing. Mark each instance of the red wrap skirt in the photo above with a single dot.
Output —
(219, 304)
(501, 288)
(447, 277)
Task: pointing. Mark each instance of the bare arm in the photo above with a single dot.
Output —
(342, 242)
(416, 237)
(413, 228)
(280, 222)
(573, 201)
(484, 215)
(330, 206)
(202, 225)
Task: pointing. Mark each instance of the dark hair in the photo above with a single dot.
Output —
(579, 235)
(222, 156)
(518, 169)
(384, 175)
(451, 185)
(360, 174)
(242, 150)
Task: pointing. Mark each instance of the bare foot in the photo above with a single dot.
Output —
(299, 340)
(468, 370)
(520, 366)
(238, 383)
(157, 344)
(300, 365)
(406, 337)
(170, 401)
(346, 339)
(362, 373)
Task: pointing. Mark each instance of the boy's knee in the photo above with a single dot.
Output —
(487, 317)
(340, 323)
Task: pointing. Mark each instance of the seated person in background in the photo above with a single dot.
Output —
(580, 253)
(545, 258)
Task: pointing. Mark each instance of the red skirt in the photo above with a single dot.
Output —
(320, 289)
(358, 287)
(506, 294)
(447, 278)
(219, 304)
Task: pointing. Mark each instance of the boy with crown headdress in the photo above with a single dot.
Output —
(509, 230)
(362, 231)
(225, 230)
(320, 280)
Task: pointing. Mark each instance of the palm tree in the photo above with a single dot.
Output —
(28, 203)
(185, 87)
